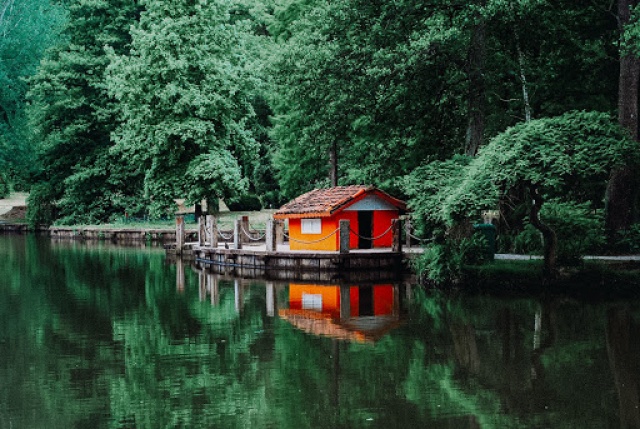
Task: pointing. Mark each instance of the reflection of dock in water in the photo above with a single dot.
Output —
(350, 312)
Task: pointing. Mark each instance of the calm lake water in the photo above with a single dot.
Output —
(100, 336)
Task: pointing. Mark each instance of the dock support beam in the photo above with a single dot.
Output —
(345, 234)
(180, 238)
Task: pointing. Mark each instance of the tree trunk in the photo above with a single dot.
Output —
(521, 65)
(550, 240)
(477, 89)
(333, 164)
(620, 195)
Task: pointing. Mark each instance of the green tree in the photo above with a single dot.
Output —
(73, 116)
(377, 88)
(184, 99)
(567, 157)
(27, 29)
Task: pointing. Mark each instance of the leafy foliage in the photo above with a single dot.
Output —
(72, 117)
(580, 231)
(27, 29)
(569, 157)
(183, 95)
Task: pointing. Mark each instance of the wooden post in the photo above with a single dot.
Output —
(212, 231)
(179, 234)
(407, 231)
(202, 226)
(396, 226)
(345, 235)
(279, 231)
(237, 235)
(244, 238)
(270, 236)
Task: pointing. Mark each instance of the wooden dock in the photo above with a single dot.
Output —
(283, 264)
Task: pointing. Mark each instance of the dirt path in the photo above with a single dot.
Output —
(17, 199)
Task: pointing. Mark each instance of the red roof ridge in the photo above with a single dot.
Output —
(323, 202)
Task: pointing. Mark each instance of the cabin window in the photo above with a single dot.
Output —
(311, 226)
(311, 301)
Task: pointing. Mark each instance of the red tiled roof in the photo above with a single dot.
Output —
(325, 202)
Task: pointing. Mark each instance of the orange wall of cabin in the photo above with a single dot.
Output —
(381, 223)
(329, 243)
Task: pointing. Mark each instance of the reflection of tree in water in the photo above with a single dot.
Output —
(522, 363)
(623, 347)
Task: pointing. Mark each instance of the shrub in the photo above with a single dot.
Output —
(628, 241)
(443, 261)
(579, 230)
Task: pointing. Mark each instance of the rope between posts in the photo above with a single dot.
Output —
(224, 236)
(313, 241)
(371, 238)
(250, 237)
(422, 240)
(257, 229)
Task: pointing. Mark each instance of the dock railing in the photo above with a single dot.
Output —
(210, 233)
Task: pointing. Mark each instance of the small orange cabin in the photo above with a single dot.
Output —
(314, 218)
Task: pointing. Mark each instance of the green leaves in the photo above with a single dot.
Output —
(569, 157)
(183, 95)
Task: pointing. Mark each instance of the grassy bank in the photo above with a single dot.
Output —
(592, 280)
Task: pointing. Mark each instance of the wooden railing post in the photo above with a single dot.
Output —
(279, 231)
(407, 231)
(244, 232)
(270, 236)
(212, 231)
(396, 228)
(202, 226)
(237, 234)
(345, 235)
(180, 238)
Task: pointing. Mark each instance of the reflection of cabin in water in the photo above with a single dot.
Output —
(354, 313)
(314, 217)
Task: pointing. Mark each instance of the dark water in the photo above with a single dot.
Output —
(110, 337)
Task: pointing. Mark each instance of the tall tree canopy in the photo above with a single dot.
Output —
(27, 29)
(73, 117)
(378, 87)
(184, 100)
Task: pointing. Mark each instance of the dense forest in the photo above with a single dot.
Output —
(120, 106)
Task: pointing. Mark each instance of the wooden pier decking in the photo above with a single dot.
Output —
(283, 264)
